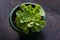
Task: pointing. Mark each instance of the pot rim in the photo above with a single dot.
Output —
(10, 16)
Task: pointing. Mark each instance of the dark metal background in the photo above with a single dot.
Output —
(51, 30)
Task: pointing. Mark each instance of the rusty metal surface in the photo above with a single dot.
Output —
(51, 30)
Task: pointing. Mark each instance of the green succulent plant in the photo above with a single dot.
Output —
(29, 17)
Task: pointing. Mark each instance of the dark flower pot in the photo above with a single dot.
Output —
(31, 35)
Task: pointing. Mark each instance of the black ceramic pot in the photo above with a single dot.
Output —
(31, 35)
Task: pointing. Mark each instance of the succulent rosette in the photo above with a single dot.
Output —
(30, 18)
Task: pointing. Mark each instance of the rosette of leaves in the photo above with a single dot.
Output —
(29, 17)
